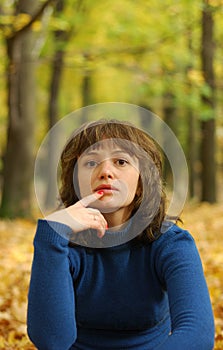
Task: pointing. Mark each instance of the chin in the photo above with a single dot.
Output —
(106, 207)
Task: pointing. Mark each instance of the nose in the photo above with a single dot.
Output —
(106, 170)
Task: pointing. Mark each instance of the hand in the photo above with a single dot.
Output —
(80, 217)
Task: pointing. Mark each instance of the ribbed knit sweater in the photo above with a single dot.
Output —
(131, 296)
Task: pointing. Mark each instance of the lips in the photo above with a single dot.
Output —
(104, 187)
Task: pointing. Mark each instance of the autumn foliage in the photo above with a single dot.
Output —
(204, 221)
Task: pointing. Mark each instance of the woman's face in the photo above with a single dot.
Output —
(108, 168)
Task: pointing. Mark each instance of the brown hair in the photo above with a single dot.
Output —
(151, 184)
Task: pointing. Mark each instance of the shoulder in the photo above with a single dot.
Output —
(175, 244)
(175, 256)
(173, 234)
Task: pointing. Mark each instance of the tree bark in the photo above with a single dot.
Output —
(192, 145)
(86, 90)
(61, 39)
(169, 114)
(18, 159)
(53, 111)
(192, 152)
(208, 163)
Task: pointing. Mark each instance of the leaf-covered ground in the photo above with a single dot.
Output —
(204, 221)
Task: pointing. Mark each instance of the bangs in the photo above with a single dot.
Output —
(114, 143)
(116, 133)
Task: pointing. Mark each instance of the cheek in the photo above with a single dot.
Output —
(135, 190)
(134, 184)
(85, 183)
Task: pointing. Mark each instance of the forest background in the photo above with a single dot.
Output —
(59, 56)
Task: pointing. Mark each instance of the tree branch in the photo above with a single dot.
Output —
(34, 18)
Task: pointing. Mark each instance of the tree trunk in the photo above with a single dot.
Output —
(86, 94)
(208, 161)
(192, 152)
(18, 158)
(208, 176)
(58, 62)
(169, 114)
(192, 155)
(61, 39)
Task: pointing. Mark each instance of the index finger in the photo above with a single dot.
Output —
(91, 198)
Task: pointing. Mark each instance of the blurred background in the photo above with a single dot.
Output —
(59, 56)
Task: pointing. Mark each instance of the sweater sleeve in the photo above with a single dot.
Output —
(180, 270)
(51, 303)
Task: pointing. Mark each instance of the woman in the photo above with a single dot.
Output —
(109, 270)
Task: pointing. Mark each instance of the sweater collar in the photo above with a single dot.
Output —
(111, 238)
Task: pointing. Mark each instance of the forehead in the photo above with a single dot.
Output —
(110, 145)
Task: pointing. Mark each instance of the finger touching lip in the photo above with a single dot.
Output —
(105, 188)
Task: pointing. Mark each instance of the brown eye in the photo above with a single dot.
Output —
(121, 162)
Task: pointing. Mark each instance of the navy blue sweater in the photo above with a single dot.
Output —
(131, 296)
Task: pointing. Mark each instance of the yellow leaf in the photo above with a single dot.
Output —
(195, 76)
(21, 20)
(37, 26)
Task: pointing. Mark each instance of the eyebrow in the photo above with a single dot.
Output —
(118, 151)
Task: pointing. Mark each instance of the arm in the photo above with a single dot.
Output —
(181, 272)
(51, 302)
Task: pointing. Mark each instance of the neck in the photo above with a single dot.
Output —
(117, 219)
